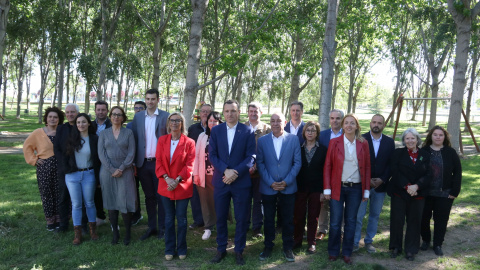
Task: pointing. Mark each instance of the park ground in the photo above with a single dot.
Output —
(26, 244)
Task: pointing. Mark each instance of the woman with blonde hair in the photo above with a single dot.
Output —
(346, 183)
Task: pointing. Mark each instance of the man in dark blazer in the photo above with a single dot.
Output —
(333, 132)
(147, 127)
(279, 161)
(295, 125)
(232, 152)
(381, 150)
(193, 132)
(59, 147)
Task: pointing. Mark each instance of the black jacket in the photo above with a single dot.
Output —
(380, 165)
(108, 124)
(404, 172)
(70, 164)
(452, 169)
(194, 131)
(310, 177)
(59, 147)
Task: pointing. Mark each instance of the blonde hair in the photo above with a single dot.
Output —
(358, 132)
(182, 129)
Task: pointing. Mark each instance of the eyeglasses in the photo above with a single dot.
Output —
(310, 131)
(138, 108)
(177, 121)
(276, 121)
(117, 115)
(205, 111)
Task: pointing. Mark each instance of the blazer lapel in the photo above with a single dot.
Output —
(238, 133)
(271, 146)
(284, 144)
(341, 149)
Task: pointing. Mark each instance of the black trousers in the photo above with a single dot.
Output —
(153, 201)
(286, 203)
(64, 203)
(440, 208)
(411, 212)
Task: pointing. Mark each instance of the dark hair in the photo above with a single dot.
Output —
(101, 102)
(61, 115)
(297, 103)
(75, 140)
(231, 101)
(308, 124)
(152, 91)
(217, 116)
(141, 103)
(125, 118)
(379, 115)
(428, 141)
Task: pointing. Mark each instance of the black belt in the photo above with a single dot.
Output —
(150, 159)
(349, 184)
(85, 169)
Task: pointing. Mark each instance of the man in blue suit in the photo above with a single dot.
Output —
(295, 126)
(231, 151)
(381, 150)
(147, 127)
(333, 132)
(278, 161)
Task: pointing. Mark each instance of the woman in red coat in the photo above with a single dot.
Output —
(346, 181)
(174, 165)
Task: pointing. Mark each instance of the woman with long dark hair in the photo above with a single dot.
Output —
(82, 167)
(445, 186)
(38, 151)
(203, 175)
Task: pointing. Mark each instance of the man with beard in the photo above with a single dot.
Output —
(381, 149)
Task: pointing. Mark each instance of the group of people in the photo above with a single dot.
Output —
(284, 176)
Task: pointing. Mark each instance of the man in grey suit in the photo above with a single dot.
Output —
(147, 127)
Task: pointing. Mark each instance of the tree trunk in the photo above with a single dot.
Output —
(68, 82)
(295, 89)
(199, 8)
(120, 88)
(475, 59)
(335, 85)
(21, 63)
(328, 62)
(433, 106)
(4, 84)
(61, 82)
(4, 8)
(28, 81)
(157, 55)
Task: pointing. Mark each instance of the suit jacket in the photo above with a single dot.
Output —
(381, 164)
(195, 130)
(299, 133)
(240, 159)
(310, 177)
(324, 138)
(138, 128)
(452, 169)
(332, 173)
(70, 164)
(405, 172)
(262, 130)
(59, 146)
(273, 169)
(108, 124)
(181, 164)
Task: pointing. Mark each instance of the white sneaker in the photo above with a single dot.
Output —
(206, 234)
(100, 221)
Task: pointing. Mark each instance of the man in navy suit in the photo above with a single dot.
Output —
(147, 127)
(381, 150)
(295, 126)
(231, 151)
(279, 161)
(333, 132)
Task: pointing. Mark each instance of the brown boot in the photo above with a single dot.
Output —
(78, 235)
(93, 230)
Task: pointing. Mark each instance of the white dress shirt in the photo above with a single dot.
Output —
(333, 135)
(376, 143)
(230, 136)
(277, 144)
(294, 130)
(150, 137)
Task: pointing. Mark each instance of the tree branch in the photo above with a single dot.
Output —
(308, 81)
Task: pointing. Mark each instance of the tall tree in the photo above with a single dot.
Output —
(463, 13)
(4, 9)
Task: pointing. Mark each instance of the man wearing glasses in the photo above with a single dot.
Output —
(137, 216)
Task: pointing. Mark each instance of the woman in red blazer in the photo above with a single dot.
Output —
(346, 181)
(174, 166)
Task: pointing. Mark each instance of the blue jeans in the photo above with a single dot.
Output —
(351, 197)
(176, 208)
(81, 185)
(376, 204)
(286, 203)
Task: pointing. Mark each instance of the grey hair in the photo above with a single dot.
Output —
(415, 133)
(279, 113)
(338, 111)
(73, 104)
(256, 105)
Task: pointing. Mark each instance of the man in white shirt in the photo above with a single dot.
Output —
(295, 125)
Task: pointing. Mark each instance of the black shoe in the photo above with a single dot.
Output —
(51, 227)
(394, 253)
(256, 233)
(267, 252)
(161, 235)
(289, 255)
(195, 225)
(425, 245)
(409, 256)
(218, 257)
(62, 227)
(148, 233)
(239, 258)
(438, 250)
(136, 220)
